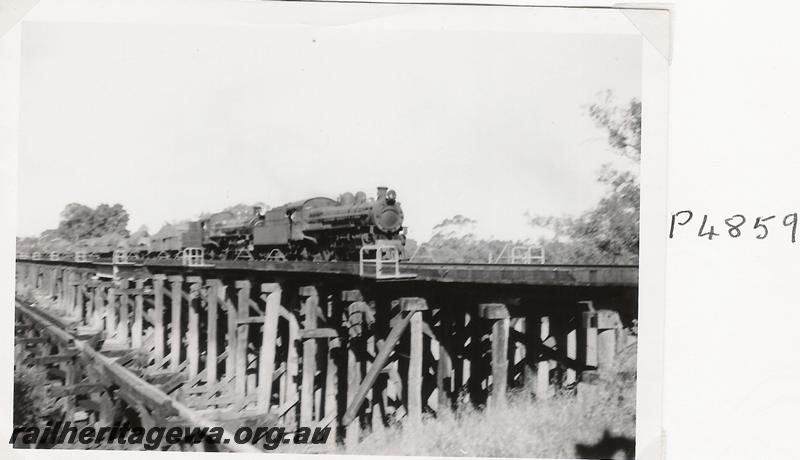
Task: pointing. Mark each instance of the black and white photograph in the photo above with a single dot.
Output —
(336, 228)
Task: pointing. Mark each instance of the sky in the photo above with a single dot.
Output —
(176, 120)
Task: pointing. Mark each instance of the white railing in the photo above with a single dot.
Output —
(276, 255)
(244, 254)
(193, 257)
(380, 261)
(120, 256)
(527, 255)
(520, 255)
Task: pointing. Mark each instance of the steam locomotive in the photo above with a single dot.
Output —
(318, 229)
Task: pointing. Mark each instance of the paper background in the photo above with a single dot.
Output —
(730, 368)
(731, 373)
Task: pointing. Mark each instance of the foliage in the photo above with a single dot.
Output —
(25, 244)
(79, 221)
(449, 225)
(31, 402)
(240, 211)
(623, 123)
(142, 231)
(454, 241)
(49, 235)
(608, 233)
(598, 423)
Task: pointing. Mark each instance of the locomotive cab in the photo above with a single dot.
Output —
(275, 228)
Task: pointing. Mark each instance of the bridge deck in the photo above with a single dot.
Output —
(248, 339)
(531, 275)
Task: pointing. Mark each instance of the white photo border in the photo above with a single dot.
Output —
(583, 17)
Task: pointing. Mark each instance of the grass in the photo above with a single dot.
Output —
(598, 424)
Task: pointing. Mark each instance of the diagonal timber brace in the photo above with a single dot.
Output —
(377, 366)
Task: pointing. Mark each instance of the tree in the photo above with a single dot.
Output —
(79, 221)
(76, 222)
(110, 219)
(27, 243)
(455, 241)
(49, 235)
(623, 123)
(241, 212)
(608, 233)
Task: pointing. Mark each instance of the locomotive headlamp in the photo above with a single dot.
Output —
(391, 196)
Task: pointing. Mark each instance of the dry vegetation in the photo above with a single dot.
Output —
(599, 424)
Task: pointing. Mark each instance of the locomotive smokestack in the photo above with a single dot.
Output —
(382, 192)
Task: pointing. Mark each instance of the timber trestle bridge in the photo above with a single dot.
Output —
(254, 343)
